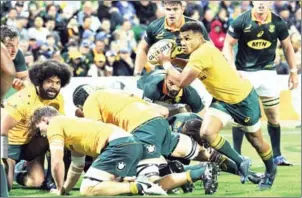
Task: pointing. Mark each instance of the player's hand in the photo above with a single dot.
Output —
(18, 84)
(163, 58)
(293, 80)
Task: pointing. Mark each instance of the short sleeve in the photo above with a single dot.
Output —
(61, 105)
(55, 132)
(235, 28)
(19, 62)
(193, 99)
(149, 35)
(282, 30)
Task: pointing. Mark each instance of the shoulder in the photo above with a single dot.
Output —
(277, 18)
(157, 22)
(187, 19)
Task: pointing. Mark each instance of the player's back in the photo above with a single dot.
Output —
(119, 108)
(218, 76)
(82, 135)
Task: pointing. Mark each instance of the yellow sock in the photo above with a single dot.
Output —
(133, 188)
(189, 179)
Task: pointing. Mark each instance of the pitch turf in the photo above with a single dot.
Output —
(287, 183)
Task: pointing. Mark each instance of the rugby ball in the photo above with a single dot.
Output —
(166, 46)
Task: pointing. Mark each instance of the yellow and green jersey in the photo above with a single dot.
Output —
(81, 135)
(118, 108)
(21, 106)
(218, 76)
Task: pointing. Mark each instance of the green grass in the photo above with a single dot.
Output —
(287, 183)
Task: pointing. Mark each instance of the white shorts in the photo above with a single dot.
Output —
(265, 82)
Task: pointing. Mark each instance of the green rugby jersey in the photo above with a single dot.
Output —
(159, 29)
(257, 42)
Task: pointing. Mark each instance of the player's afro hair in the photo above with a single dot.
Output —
(49, 68)
(81, 93)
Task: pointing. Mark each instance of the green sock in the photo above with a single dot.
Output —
(267, 158)
(3, 185)
(191, 167)
(229, 166)
(196, 174)
(237, 138)
(274, 132)
(224, 147)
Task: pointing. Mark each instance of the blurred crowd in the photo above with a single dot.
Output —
(99, 38)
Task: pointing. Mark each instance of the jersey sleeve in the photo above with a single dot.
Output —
(282, 30)
(16, 107)
(61, 105)
(91, 109)
(55, 134)
(19, 62)
(149, 35)
(235, 28)
(193, 99)
(151, 93)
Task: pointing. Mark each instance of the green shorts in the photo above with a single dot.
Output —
(120, 157)
(157, 138)
(37, 146)
(245, 113)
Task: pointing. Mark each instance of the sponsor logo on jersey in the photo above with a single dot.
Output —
(271, 28)
(151, 148)
(259, 44)
(247, 119)
(121, 165)
(248, 28)
(260, 33)
(160, 35)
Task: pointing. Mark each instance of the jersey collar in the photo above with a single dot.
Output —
(267, 20)
(172, 29)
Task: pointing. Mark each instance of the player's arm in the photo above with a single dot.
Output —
(228, 49)
(290, 57)
(233, 34)
(183, 79)
(8, 71)
(193, 99)
(141, 57)
(57, 164)
(75, 171)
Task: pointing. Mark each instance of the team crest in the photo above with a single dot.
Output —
(271, 28)
(247, 119)
(151, 148)
(121, 165)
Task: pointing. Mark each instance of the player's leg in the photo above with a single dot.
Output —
(270, 97)
(3, 184)
(34, 175)
(247, 114)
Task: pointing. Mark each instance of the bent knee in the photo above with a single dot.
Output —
(36, 181)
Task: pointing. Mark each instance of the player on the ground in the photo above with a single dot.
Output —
(157, 87)
(164, 28)
(47, 78)
(10, 38)
(117, 154)
(233, 97)
(7, 76)
(147, 123)
(257, 32)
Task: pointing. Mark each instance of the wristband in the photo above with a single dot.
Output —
(293, 70)
(4, 146)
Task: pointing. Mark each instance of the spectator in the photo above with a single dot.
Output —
(194, 10)
(10, 19)
(99, 68)
(38, 31)
(110, 57)
(145, 11)
(126, 9)
(107, 11)
(106, 26)
(217, 34)
(76, 61)
(103, 36)
(123, 66)
(99, 48)
(73, 32)
(50, 25)
(21, 23)
(24, 46)
(85, 51)
(223, 17)
(88, 12)
(86, 28)
(29, 59)
(208, 18)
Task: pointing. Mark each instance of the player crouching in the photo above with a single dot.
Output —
(116, 151)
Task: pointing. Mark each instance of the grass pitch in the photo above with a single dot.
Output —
(287, 183)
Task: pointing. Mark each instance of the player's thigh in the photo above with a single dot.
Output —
(247, 114)
(35, 169)
(156, 136)
(120, 157)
